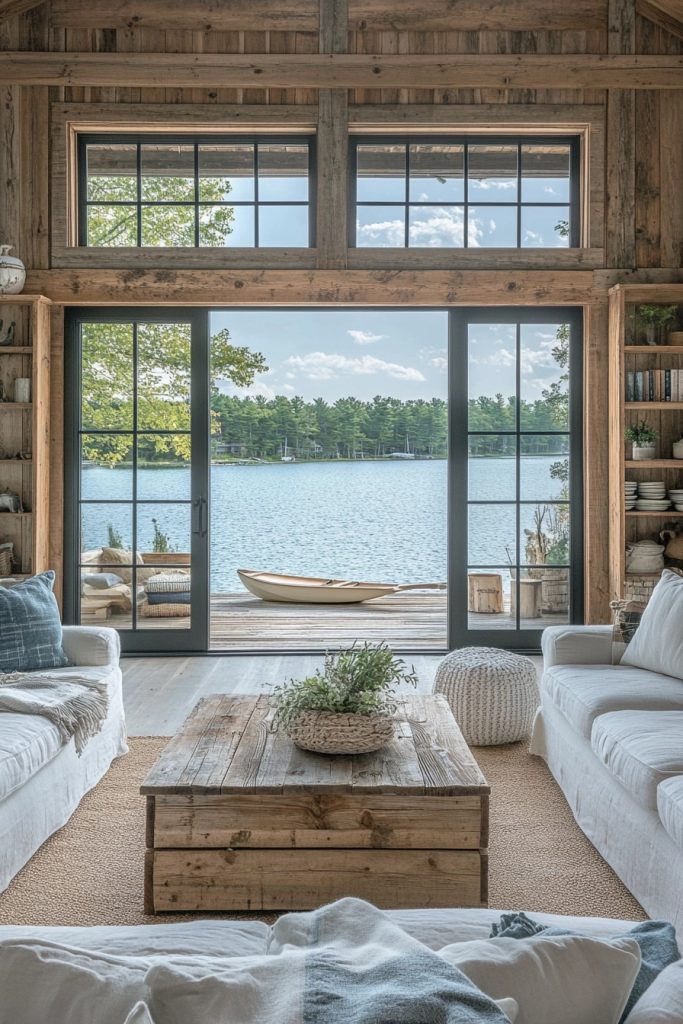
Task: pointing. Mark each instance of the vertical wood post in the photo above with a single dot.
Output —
(332, 146)
(620, 224)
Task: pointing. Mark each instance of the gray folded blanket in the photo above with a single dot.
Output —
(76, 704)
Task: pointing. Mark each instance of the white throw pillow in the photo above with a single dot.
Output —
(43, 982)
(566, 979)
(658, 641)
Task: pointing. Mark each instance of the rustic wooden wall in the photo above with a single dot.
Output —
(636, 169)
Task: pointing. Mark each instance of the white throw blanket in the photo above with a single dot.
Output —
(76, 704)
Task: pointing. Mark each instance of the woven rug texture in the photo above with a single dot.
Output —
(91, 871)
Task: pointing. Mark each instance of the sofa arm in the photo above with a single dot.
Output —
(577, 645)
(91, 645)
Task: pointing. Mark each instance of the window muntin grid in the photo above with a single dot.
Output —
(198, 191)
(465, 192)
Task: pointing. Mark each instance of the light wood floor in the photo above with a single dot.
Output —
(415, 622)
(159, 693)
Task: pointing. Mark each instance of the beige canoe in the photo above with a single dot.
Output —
(271, 586)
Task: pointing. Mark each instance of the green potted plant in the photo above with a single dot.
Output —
(643, 438)
(347, 707)
(655, 320)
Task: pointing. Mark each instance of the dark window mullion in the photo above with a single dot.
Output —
(466, 194)
(519, 195)
(134, 525)
(518, 475)
(138, 165)
(406, 196)
(196, 195)
(256, 195)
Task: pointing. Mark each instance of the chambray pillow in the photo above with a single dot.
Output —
(30, 627)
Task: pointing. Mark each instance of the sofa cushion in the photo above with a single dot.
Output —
(670, 807)
(28, 742)
(584, 692)
(640, 749)
(658, 641)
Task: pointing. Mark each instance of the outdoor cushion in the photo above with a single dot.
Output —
(28, 742)
(641, 749)
(30, 627)
(670, 807)
(584, 692)
(169, 583)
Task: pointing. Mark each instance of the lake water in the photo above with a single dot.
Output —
(358, 520)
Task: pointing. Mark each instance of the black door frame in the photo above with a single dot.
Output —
(148, 640)
(459, 635)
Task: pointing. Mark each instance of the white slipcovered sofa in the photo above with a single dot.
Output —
(42, 780)
(612, 736)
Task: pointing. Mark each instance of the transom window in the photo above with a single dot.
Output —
(209, 191)
(465, 192)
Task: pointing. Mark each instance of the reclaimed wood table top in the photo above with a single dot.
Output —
(228, 746)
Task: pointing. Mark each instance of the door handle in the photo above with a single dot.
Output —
(199, 515)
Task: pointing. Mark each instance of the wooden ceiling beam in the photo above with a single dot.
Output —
(302, 15)
(332, 70)
(10, 8)
(313, 287)
(668, 14)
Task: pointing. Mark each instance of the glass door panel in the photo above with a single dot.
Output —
(139, 544)
(516, 551)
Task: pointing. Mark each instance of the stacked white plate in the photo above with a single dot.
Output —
(652, 496)
(676, 495)
(630, 488)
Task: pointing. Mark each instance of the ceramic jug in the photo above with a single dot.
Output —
(678, 449)
(644, 556)
(12, 272)
(673, 551)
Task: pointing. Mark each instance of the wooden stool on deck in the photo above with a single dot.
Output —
(485, 591)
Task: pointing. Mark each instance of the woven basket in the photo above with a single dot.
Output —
(326, 733)
(5, 562)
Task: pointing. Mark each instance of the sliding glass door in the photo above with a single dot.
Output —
(137, 419)
(515, 562)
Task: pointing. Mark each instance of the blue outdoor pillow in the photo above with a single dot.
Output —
(30, 627)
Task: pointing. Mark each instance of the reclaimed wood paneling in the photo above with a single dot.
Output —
(329, 71)
(314, 287)
(621, 145)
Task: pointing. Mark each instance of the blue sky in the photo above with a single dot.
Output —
(336, 353)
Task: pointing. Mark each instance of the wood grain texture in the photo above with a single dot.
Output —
(12, 8)
(314, 288)
(228, 746)
(300, 820)
(668, 14)
(596, 471)
(671, 164)
(304, 879)
(330, 71)
(620, 222)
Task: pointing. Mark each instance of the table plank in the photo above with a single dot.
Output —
(447, 763)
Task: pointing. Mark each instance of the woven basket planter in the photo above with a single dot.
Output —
(327, 733)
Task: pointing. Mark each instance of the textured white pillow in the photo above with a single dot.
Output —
(658, 642)
(43, 982)
(563, 979)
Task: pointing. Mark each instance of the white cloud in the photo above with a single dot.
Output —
(498, 185)
(257, 388)
(438, 227)
(326, 365)
(365, 337)
(439, 363)
(381, 233)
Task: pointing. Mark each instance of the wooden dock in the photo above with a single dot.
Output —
(409, 621)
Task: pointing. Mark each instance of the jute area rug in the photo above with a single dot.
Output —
(91, 871)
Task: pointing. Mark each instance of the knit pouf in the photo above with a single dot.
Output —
(493, 694)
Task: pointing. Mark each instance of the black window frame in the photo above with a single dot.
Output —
(196, 140)
(467, 140)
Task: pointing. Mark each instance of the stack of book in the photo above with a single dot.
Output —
(654, 386)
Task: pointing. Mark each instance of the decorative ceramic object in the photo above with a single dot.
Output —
(8, 339)
(12, 272)
(327, 733)
(673, 552)
(678, 449)
(22, 390)
(645, 556)
(643, 452)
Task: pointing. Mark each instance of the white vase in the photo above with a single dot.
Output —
(12, 272)
(678, 449)
(642, 453)
(22, 389)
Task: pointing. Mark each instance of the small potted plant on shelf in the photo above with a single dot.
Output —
(643, 438)
(348, 707)
(656, 321)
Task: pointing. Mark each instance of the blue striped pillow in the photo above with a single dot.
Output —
(30, 627)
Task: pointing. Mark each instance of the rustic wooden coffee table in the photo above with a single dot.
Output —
(240, 819)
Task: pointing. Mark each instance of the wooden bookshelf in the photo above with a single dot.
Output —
(627, 353)
(25, 427)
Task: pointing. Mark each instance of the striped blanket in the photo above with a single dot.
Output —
(76, 704)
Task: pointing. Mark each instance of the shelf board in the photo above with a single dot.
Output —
(16, 462)
(654, 464)
(14, 515)
(653, 405)
(22, 299)
(16, 405)
(15, 350)
(676, 349)
(671, 514)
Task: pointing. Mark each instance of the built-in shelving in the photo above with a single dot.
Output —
(626, 354)
(25, 427)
